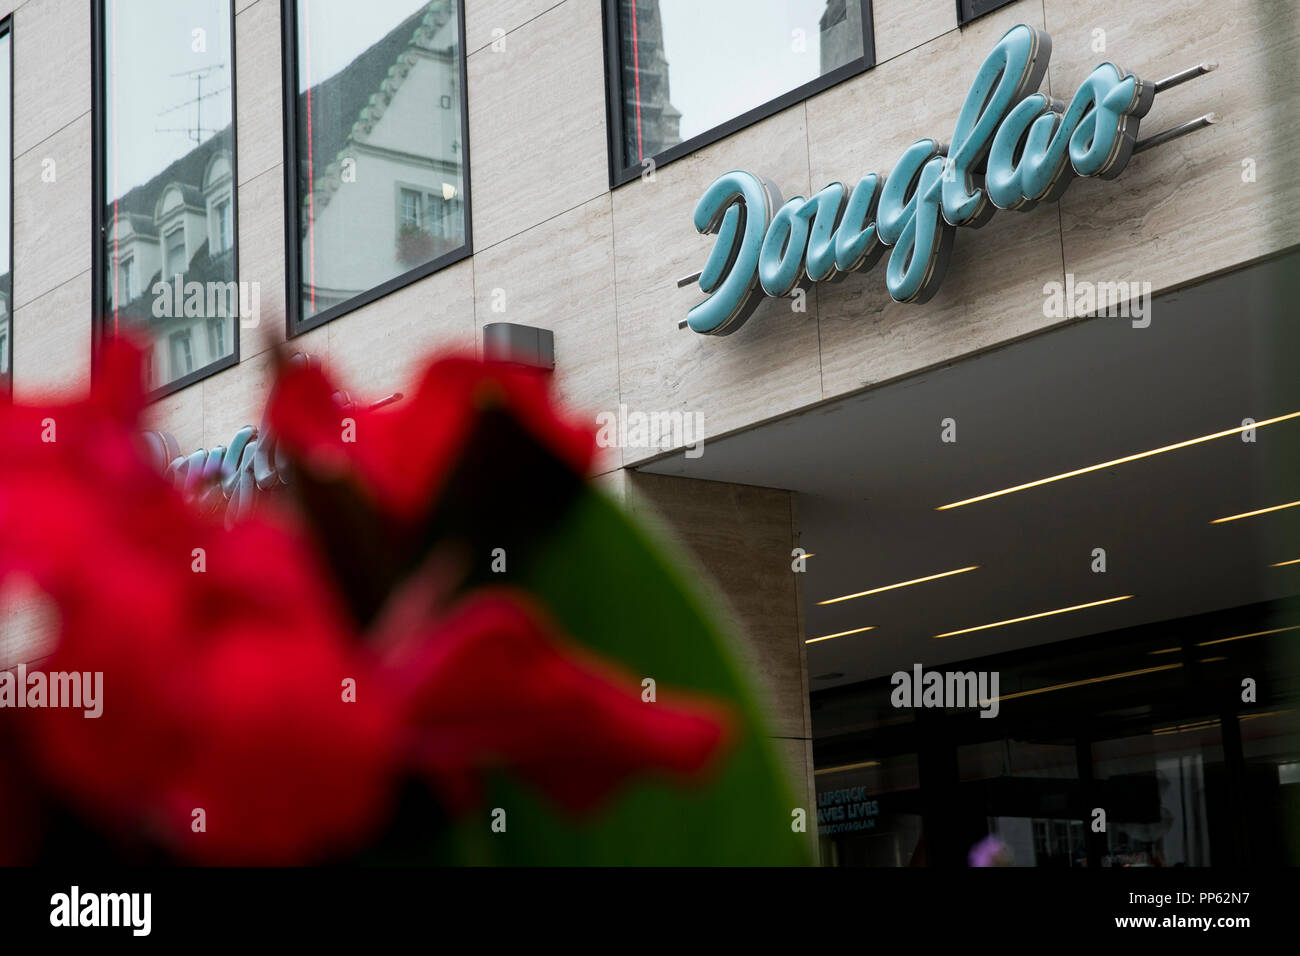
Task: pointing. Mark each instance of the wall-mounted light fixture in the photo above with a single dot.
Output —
(519, 344)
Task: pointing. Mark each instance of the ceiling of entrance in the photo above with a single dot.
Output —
(871, 471)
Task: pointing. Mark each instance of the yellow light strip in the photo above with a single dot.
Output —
(1206, 724)
(1089, 680)
(1251, 514)
(1263, 713)
(1031, 617)
(1185, 728)
(1119, 461)
(827, 637)
(1239, 637)
(1166, 650)
(847, 766)
(1283, 564)
(900, 584)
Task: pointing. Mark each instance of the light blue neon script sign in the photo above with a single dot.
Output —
(1012, 148)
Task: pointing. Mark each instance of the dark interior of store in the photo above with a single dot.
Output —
(1106, 516)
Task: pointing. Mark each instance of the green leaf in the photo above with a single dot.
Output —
(613, 591)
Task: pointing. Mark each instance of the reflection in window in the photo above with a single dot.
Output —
(6, 211)
(678, 81)
(168, 180)
(177, 262)
(216, 336)
(378, 138)
(1272, 757)
(182, 354)
(225, 234)
(1023, 788)
(968, 10)
(1157, 789)
(868, 812)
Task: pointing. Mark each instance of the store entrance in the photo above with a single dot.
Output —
(1102, 517)
(1183, 772)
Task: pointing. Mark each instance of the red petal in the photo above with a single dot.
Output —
(493, 688)
(402, 453)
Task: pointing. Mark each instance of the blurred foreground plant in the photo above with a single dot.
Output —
(439, 617)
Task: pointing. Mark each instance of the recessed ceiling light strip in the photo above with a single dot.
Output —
(1033, 617)
(1258, 511)
(1089, 680)
(900, 584)
(1120, 461)
(827, 637)
(1240, 637)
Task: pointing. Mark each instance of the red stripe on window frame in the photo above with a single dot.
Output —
(636, 71)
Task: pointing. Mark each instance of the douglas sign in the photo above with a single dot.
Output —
(1012, 148)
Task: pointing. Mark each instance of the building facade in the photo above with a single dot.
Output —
(868, 492)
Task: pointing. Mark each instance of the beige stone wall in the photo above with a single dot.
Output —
(744, 535)
(599, 267)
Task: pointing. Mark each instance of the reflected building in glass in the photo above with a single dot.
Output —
(652, 124)
(168, 224)
(840, 28)
(380, 157)
(6, 212)
(689, 70)
(180, 223)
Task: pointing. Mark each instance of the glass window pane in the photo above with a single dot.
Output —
(678, 81)
(6, 211)
(869, 812)
(1159, 790)
(168, 173)
(378, 126)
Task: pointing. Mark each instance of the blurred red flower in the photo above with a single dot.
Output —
(402, 453)
(494, 686)
(225, 653)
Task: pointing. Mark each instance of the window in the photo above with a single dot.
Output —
(182, 354)
(376, 123)
(968, 10)
(164, 75)
(225, 227)
(177, 263)
(216, 337)
(672, 87)
(411, 202)
(127, 273)
(6, 204)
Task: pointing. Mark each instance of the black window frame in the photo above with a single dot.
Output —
(966, 10)
(295, 323)
(98, 225)
(621, 173)
(7, 378)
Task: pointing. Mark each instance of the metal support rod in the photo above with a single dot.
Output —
(1169, 82)
(1191, 126)
(682, 283)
